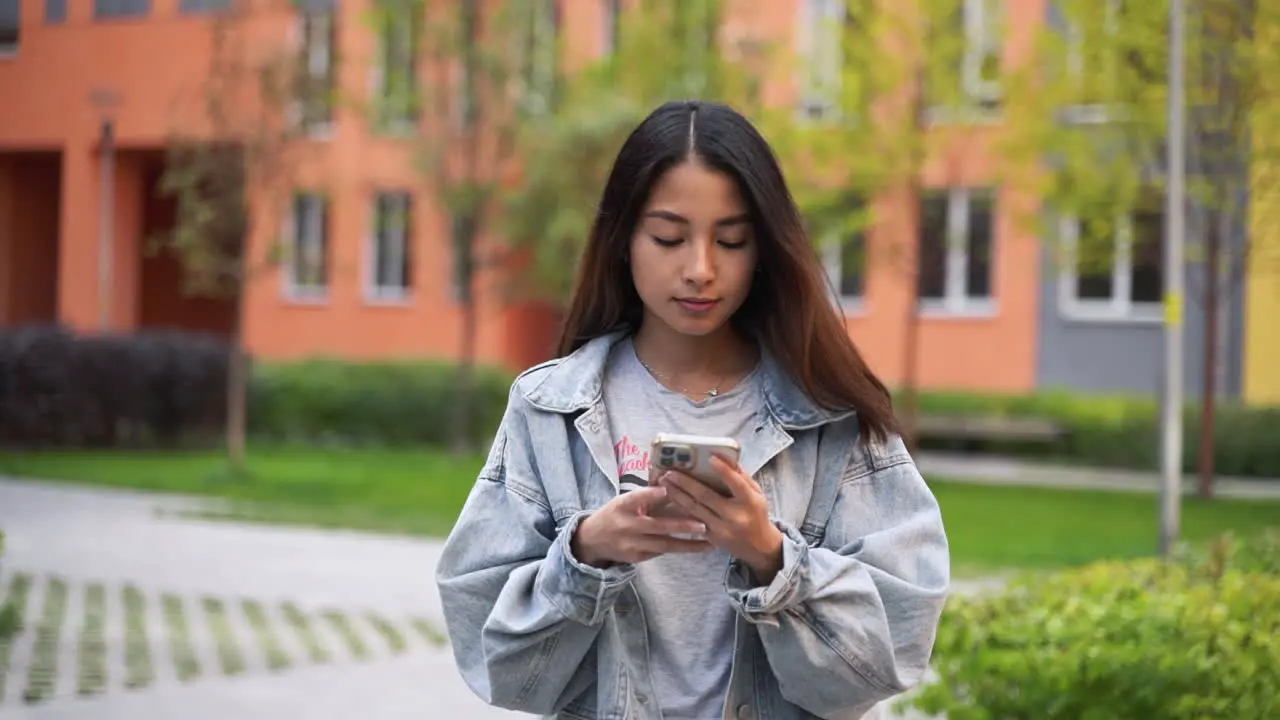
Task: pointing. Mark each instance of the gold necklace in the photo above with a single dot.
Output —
(714, 391)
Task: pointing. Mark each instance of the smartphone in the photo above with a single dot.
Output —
(691, 455)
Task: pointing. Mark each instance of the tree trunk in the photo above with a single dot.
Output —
(1209, 394)
(464, 240)
(237, 389)
(466, 379)
(910, 364)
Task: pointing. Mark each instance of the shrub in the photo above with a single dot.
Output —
(58, 389)
(10, 623)
(1122, 432)
(62, 390)
(384, 403)
(1144, 639)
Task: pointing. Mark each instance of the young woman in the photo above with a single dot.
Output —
(575, 588)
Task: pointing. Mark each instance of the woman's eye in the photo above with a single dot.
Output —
(733, 244)
(666, 242)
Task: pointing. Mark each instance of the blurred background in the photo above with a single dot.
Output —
(269, 267)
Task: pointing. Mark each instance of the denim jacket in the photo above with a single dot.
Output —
(850, 620)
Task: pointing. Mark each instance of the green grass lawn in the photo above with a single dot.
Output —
(420, 492)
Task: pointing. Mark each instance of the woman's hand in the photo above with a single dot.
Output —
(623, 531)
(738, 524)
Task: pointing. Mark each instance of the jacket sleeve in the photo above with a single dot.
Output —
(521, 612)
(851, 621)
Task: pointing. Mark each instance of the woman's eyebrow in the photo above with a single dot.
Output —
(739, 219)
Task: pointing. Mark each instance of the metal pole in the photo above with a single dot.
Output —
(1175, 239)
(106, 223)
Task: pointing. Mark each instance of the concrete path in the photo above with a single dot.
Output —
(149, 614)
(1010, 471)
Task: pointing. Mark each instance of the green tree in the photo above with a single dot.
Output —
(231, 166)
(887, 90)
(1091, 106)
(455, 82)
(660, 50)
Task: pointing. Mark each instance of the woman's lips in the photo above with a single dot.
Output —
(696, 305)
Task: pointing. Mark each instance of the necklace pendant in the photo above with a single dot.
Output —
(713, 392)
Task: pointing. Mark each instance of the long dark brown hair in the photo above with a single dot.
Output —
(789, 310)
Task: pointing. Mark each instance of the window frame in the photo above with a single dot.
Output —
(1120, 307)
(319, 206)
(956, 301)
(398, 120)
(317, 68)
(374, 291)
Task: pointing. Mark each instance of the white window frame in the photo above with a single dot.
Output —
(982, 34)
(832, 254)
(1088, 113)
(535, 92)
(982, 30)
(405, 123)
(294, 289)
(956, 300)
(818, 40)
(1120, 306)
(401, 252)
(317, 59)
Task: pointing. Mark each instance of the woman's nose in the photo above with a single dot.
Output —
(700, 267)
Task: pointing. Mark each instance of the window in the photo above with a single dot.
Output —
(957, 229)
(853, 270)
(964, 73)
(820, 42)
(612, 16)
(539, 66)
(203, 6)
(1114, 269)
(10, 19)
(391, 271)
(308, 257)
(980, 65)
(316, 85)
(399, 35)
(120, 8)
(1093, 64)
(55, 11)
(846, 260)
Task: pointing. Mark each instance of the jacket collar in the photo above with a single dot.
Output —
(576, 381)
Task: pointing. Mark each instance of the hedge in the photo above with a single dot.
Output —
(379, 403)
(1141, 639)
(59, 389)
(148, 389)
(1120, 432)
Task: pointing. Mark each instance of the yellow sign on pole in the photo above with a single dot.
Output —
(1173, 309)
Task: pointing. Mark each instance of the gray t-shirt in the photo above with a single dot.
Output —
(685, 606)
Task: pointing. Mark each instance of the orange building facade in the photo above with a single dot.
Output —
(364, 284)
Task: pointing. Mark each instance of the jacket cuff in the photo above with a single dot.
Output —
(756, 604)
(582, 593)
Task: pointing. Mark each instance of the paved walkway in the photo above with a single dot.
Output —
(148, 614)
(1009, 471)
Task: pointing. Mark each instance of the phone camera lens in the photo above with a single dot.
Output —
(667, 451)
(683, 457)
